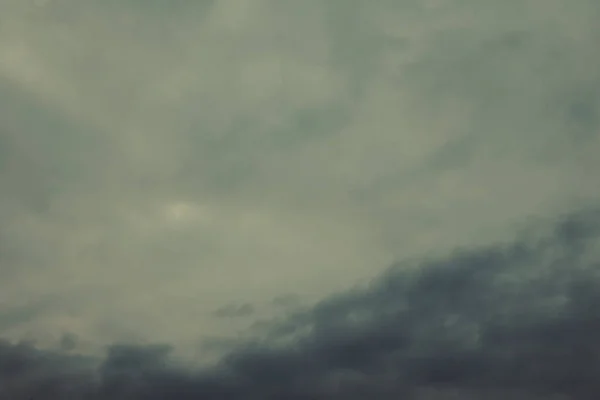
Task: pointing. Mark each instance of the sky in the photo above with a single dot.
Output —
(239, 186)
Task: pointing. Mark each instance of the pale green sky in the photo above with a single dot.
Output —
(160, 160)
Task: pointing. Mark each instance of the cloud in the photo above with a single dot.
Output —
(234, 310)
(512, 320)
(161, 161)
(286, 300)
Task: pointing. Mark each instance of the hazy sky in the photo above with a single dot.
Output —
(175, 171)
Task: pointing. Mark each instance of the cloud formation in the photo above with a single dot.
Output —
(234, 310)
(517, 320)
(163, 160)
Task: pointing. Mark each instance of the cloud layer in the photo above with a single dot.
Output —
(193, 172)
(516, 321)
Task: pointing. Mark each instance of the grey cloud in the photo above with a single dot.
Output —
(68, 342)
(514, 320)
(159, 160)
(18, 315)
(234, 311)
(286, 300)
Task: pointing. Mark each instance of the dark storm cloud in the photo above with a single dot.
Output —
(516, 320)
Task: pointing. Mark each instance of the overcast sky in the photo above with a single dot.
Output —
(182, 171)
